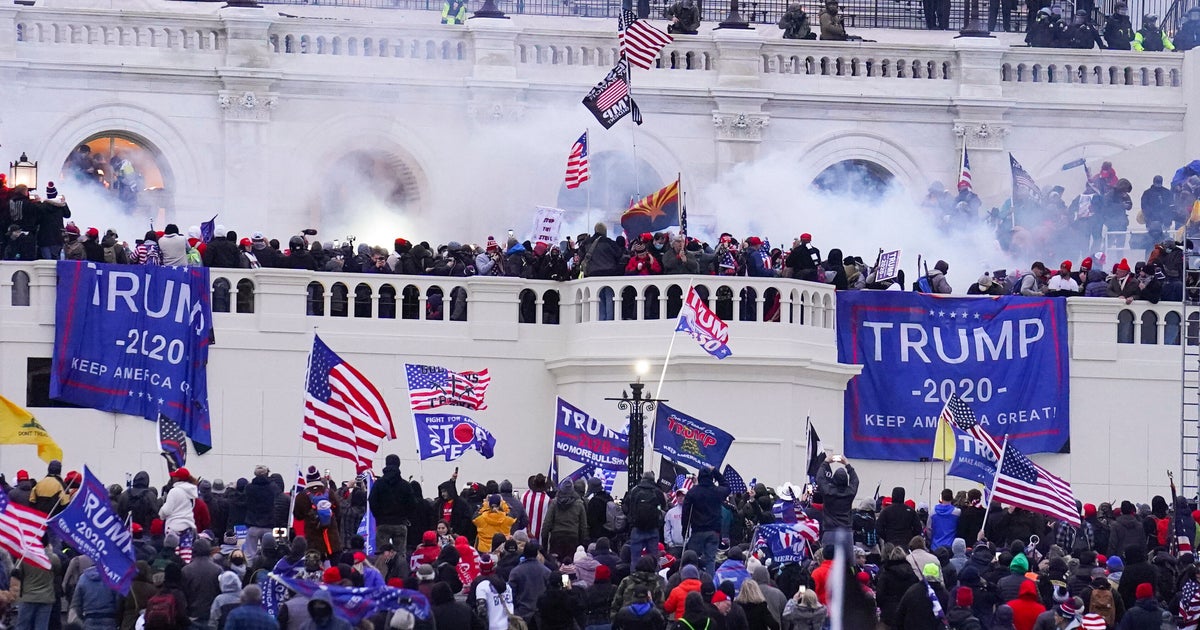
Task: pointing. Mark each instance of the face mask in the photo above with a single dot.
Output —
(321, 611)
(238, 561)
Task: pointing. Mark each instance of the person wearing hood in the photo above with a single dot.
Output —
(915, 611)
(645, 574)
(1125, 531)
(452, 508)
(983, 595)
(958, 554)
(839, 488)
(528, 581)
(177, 511)
(516, 509)
(227, 600)
(897, 523)
(140, 591)
(320, 613)
(448, 613)
(1138, 570)
(201, 581)
(895, 578)
(260, 503)
(640, 613)
(392, 502)
(94, 603)
(47, 494)
(943, 522)
(1026, 606)
(292, 564)
(937, 278)
(1009, 586)
(1158, 524)
(494, 519)
(596, 503)
(702, 514)
(566, 523)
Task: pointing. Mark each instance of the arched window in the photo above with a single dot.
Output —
(458, 304)
(220, 295)
(410, 305)
(1149, 328)
(771, 305)
(1125, 326)
(368, 178)
(316, 298)
(125, 168)
(749, 305)
(1171, 329)
(629, 298)
(527, 308)
(362, 300)
(674, 301)
(1193, 329)
(339, 300)
(20, 289)
(434, 306)
(650, 308)
(387, 302)
(859, 178)
(550, 307)
(245, 295)
(724, 307)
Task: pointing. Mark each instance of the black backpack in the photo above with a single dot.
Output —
(644, 512)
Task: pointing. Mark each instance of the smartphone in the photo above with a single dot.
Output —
(802, 589)
(456, 471)
(566, 580)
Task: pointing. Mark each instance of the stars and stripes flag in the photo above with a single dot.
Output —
(430, 387)
(1189, 605)
(609, 101)
(1021, 483)
(577, 162)
(640, 41)
(684, 481)
(965, 176)
(344, 414)
(959, 414)
(1022, 180)
(184, 551)
(21, 532)
(173, 442)
(734, 481)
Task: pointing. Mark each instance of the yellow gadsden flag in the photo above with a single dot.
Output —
(18, 426)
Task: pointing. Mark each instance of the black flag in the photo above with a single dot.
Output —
(609, 101)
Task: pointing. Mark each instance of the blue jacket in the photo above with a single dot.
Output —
(943, 523)
(93, 599)
(260, 503)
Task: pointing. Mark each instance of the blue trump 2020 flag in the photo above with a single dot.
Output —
(355, 604)
(450, 436)
(1006, 357)
(688, 440)
(700, 323)
(134, 339)
(92, 528)
(366, 527)
(584, 438)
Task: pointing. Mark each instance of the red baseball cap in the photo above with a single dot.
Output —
(181, 473)
(22, 475)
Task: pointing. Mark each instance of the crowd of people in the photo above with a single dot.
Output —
(570, 556)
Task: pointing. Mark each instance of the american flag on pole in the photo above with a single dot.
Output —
(21, 532)
(1022, 180)
(344, 415)
(1021, 483)
(640, 42)
(430, 386)
(965, 176)
(186, 541)
(173, 442)
(577, 162)
(959, 414)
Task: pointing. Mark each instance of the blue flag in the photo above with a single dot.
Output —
(786, 543)
(208, 229)
(450, 436)
(585, 439)
(689, 440)
(134, 339)
(734, 481)
(355, 604)
(700, 323)
(366, 527)
(92, 528)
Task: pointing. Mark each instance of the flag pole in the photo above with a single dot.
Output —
(663, 375)
(991, 497)
(587, 134)
(300, 441)
(637, 180)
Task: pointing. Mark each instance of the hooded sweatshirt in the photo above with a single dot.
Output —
(567, 516)
(897, 523)
(177, 510)
(1026, 607)
(839, 490)
(231, 589)
(943, 523)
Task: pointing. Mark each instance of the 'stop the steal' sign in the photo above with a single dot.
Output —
(1006, 357)
(134, 339)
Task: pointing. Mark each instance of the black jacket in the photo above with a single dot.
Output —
(898, 523)
(1145, 615)
(702, 506)
(839, 489)
(50, 222)
(1138, 570)
(391, 498)
(894, 581)
(603, 257)
(260, 502)
(222, 252)
(916, 610)
(1118, 32)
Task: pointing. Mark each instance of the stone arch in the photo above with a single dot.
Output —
(176, 155)
(1092, 150)
(866, 146)
(653, 155)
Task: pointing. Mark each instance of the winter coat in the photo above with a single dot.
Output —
(231, 587)
(897, 523)
(1145, 615)
(1138, 570)
(391, 498)
(603, 257)
(962, 619)
(943, 523)
(732, 571)
(938, 283)
(839, 490)
(639, 617)
(177, 510)
(19, 493)
(1118, 32)
(916, 610)
(223, 253)
(651, 581)
(566, 517)
(702, 505)
(325, 539)
(895, 579)
(50, 215)
(674, 603)
(489, 524)
(137, 500)
(47, 494)
(528, 582)
(1027, 606)
(93, 598)
(460, 512)
(1126, 531)
(801, 617)
(260, 502)
(201, 583)
(595, 602)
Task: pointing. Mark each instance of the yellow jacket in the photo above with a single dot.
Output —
(489, 524)
(48, 488)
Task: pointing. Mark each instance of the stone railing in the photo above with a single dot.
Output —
(1082, 67)
(192, 34)
(335, 39)
(882, 61)
(27, 292)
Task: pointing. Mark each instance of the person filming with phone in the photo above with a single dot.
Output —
(839, 488)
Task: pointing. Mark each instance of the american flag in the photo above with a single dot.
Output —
(430, 387)
(640, 42)
(1189, 605)
(1022, 180)
(577, 162)
(965, 176)
(1022, 483)
(684, 482)
(21, 532)
(734, 481)
(184, 551)
(344, 415)
(613, 94)
(959, 414)
(173, 442)
(536, 505)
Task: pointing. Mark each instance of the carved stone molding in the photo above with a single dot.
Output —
(740, 127)
(496, 111)
(247, 106)
(981, 135)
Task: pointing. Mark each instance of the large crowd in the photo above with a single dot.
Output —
(570, 556)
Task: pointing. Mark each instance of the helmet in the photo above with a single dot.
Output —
(296, 242)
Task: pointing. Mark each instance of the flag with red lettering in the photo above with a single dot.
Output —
(688, 440)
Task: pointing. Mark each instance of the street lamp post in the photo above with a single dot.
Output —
(637, 406)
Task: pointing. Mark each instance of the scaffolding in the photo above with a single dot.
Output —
(1189, 419)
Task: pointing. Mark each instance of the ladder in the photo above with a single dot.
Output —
(1189, 419)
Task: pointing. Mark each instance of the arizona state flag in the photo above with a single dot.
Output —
(654, 213)
(18, 426)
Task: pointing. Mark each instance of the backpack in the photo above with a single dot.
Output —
(643, 510)
(1162, 527)
(1016, 287)
(160, 612)
(1102, 604)
(142, 507)
(614, 517)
